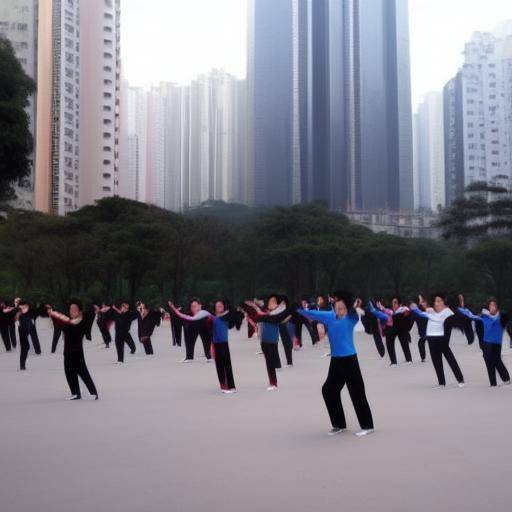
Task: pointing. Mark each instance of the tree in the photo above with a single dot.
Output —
(486, 210)
(15, 138)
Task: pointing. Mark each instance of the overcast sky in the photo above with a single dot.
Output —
(176, 40)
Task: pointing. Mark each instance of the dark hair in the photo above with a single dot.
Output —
(224, 302)
(492, 299)
(345, 296)
(271, 296)
(196, 299)
(441, 295)
(77, 303)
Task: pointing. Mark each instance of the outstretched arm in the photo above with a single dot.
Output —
(201, 315)
(377, 312)
(324, 317)
(468, 314)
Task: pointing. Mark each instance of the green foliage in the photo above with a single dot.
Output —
(121, 248)
(15, 137)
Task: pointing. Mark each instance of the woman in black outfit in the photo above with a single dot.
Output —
(148, 320)
(26, 317)
(74, 328)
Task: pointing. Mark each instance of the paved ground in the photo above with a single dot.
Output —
(163, 438)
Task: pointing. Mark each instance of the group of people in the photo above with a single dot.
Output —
(333, 318)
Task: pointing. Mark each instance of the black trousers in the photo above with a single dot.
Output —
(284, 334)
(25, 345)
(57, 331)
(24, 348)
(148, 346)
(191, 335)
(176, 331)
(105, 332)
(6, 336)
(12, 332)
(121, 339)
(223, 366)
(272, 360)
(439, 347)
(313, 333)
(404, 339)
(422, 347)
(346, 370)
(35, 339)
(379, 345)
(494, 363)
(74, 367)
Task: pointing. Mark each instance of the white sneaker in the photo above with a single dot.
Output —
(336, 431)
(506, 383)
(119, 363)
(461, 385)
(289, 366)
(365, 432)
(272, 388)
(73, 397)
(231, 391)
(259, 353)
(441, 386)
(408, 362)
(186, 360)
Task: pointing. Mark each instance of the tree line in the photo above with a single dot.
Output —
(122, 248)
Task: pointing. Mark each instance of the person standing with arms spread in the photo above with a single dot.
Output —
(74, 328)
(344, 366)
(494, 323)
(439, 327)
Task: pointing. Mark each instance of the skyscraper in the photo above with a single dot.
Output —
(430, 145)
(487, 106)
(454, 139)
(57, 177)
(270, 75)
(134, 142)
(18, 23)
(329, 109)
(100, 86)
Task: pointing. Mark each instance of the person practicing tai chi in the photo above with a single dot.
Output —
(104, 320)
(494, 323)
(269, 318)
(344, 366)
(26, 318)
(194, 329)
(123, 318)
(397, 322)
(74, 327)
(148, 319)
(219, 324)
(440, 321)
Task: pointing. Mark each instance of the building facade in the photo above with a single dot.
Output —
(330, 110)
(100, 85)
(430, 146)
(57, 171)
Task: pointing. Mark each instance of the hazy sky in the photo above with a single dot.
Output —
(176, 40)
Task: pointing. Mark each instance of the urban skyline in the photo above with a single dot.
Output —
(323, 113)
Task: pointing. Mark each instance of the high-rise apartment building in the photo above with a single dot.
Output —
(430, 146)
(100, 86)
(57, 171)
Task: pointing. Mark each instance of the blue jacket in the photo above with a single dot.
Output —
(340, 330)
(494, 326)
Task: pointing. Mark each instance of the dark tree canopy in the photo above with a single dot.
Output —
(15, 138)
(122, 248)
